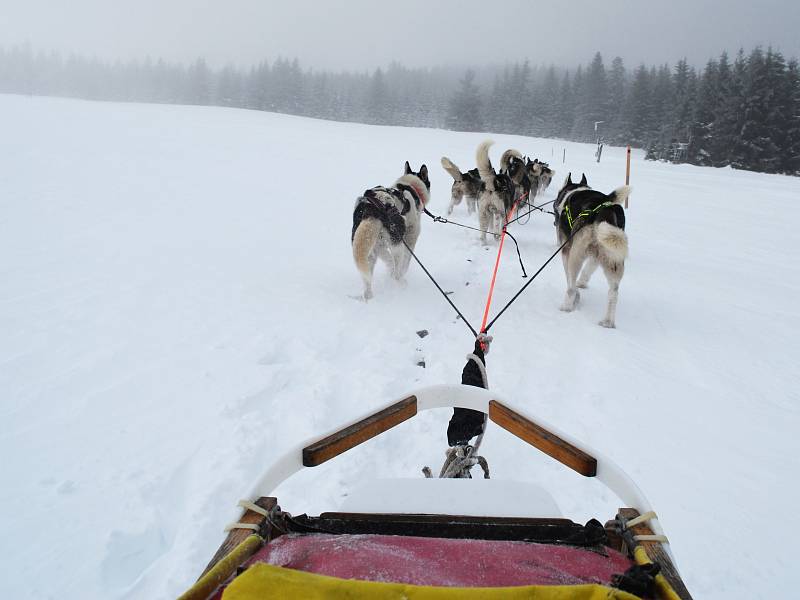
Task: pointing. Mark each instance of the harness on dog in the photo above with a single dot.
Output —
(396, 193)
(588, 212)
(369, 205)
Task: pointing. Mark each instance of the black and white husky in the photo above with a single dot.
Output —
(465, 185)
(531, 177)
(513, 164)
(385, 217)
(496, 195)
(596, 222)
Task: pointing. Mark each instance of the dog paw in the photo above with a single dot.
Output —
(583, 284)
(607, 323)
(567, 307)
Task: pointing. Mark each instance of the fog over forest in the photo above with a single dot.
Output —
(713, 83)
(741, 111)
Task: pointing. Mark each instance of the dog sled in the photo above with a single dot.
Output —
(443, 538)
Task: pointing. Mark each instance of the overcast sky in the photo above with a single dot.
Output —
(360, 34)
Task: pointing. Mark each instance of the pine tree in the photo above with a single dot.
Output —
(791, 153)
(319, 102)
(465, 106)
(617, 88)
(702, 132)
(777, 117)
(752, 142)
(661, 132)
(377, 99)
(728, 125)
(501, 105)
(638, 109)
(198, 90)
(229, 87)
(578, 119)
(295, 92)
(592, 105)
(548, 103)
(519, 97)
(683, 99)
(566, 107)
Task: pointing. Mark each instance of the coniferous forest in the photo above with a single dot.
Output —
(741, 111)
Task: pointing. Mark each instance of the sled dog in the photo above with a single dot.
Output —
(384, 218)
(596, 222)
(540, 175)
(546, 175)
(496, 195)
(465, 185)
(510, 157)
(531, 177)
(513, 164)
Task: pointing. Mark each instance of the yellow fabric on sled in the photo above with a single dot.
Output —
(268, 581)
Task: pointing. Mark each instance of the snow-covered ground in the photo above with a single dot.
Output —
(175, 311)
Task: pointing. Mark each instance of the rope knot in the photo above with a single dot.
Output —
(460, 459)
(484, 339)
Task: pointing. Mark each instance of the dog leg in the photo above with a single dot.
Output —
(403, 253)
(613, 272)
(367, 275)
(396, 264)
(483, 223)
(572, 265)
(588, 270)
(402, 258)
(365, 253)
(472, 204)
(455, 200)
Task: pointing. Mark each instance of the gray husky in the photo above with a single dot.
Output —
(383, 219)
(496, 195)
(465, 185)
(596, 222)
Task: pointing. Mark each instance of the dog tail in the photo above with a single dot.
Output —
(613, 240)
(364, 240)
(620, 195)
(505, 160)
(451, 168)
(485, 165)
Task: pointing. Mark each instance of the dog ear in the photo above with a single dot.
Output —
(423, 173)
(569, 179)
(583, 179)
(408, 168)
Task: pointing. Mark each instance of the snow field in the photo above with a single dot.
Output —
(175, 310)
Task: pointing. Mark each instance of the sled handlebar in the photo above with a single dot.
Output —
(379, 422)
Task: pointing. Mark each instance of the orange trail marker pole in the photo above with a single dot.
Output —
(628, 172)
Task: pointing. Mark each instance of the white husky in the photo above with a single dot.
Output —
(386, 221)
